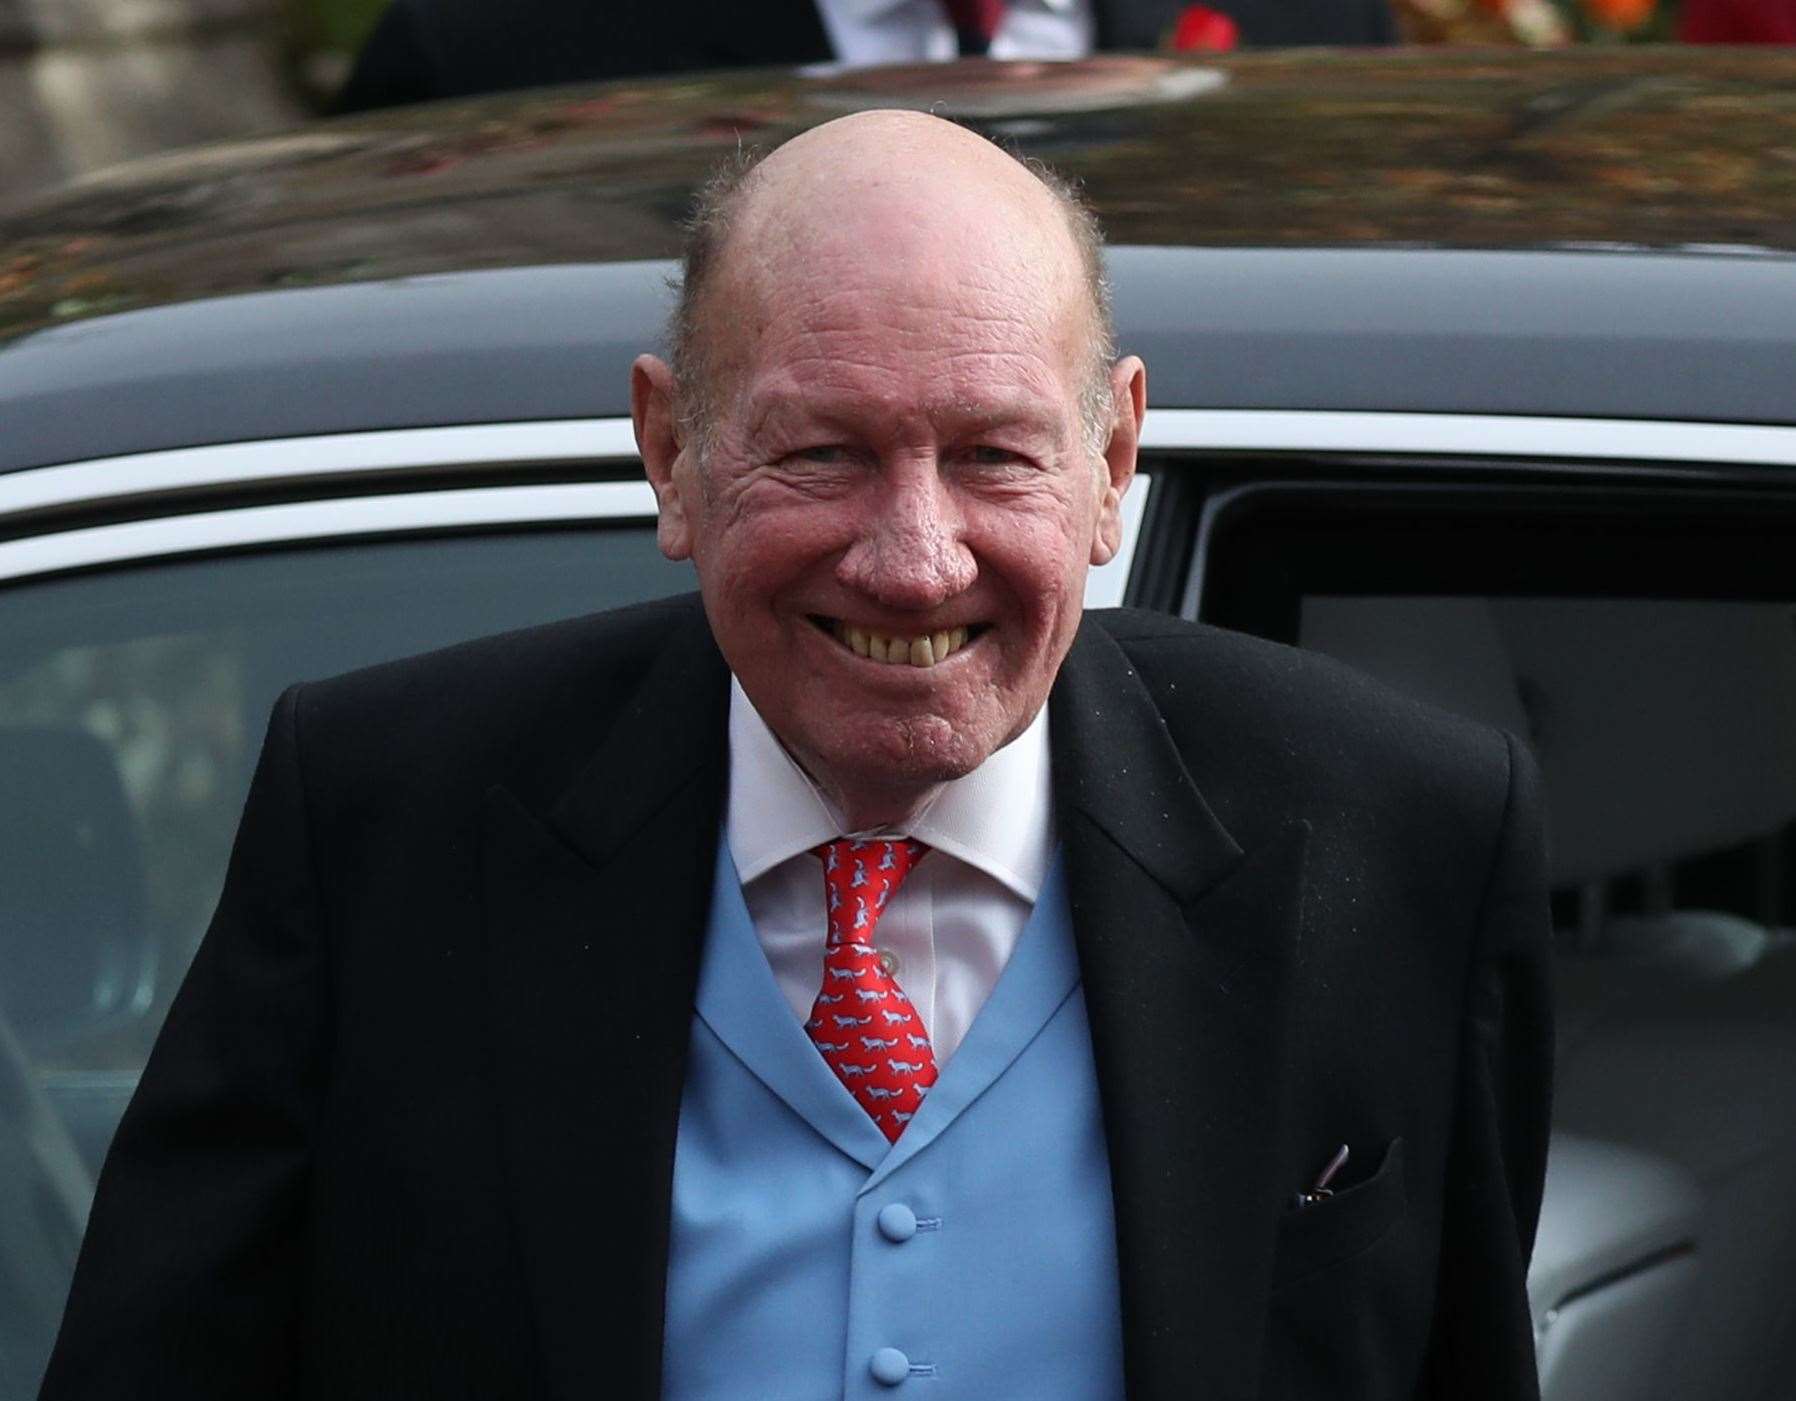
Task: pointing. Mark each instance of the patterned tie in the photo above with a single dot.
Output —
(862, 1022)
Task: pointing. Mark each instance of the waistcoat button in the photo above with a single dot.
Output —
(889, 1366)
(897, 1222)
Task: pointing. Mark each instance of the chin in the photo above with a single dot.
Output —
(887, 753)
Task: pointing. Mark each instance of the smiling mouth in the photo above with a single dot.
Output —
(921, 649)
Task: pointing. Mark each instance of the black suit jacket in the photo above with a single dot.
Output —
(409, 1130)
(425, 49)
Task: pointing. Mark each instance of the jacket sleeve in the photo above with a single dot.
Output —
(1483, 1341)
(189, 1281)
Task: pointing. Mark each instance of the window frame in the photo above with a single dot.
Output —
(189, 501)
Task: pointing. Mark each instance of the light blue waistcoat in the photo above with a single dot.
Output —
(974, 1258)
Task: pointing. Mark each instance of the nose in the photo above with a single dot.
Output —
(909, 552)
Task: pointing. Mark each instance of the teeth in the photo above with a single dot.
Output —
(925, 650)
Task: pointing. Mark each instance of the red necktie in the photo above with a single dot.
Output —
(862, 1022)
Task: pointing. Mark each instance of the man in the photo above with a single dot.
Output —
(533, 1050)
(425, 49)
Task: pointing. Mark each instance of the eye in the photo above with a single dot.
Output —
(991, 455)
(822, 455)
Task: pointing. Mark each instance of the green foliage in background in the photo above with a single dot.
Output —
(321, 40)
(333, 24)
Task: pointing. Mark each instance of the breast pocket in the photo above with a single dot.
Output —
(1347, 1319)
(1314, 1238)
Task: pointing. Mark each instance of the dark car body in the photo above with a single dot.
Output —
(1474, 370)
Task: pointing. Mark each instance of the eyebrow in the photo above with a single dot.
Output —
(778, 410)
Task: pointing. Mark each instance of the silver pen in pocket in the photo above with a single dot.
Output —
(1320, 1192)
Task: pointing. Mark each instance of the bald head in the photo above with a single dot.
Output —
(894, 196)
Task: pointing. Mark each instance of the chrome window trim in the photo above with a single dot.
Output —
(411, 512)
(1480, 435)
(611, 439)
(228, 464)
(338, 518)
(273, 459)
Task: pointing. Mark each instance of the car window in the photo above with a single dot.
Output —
(1644, 646)
(132, 706)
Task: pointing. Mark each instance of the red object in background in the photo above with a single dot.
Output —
(1738, 22)
(1203, 30)
(1621, 14)
(981, 17)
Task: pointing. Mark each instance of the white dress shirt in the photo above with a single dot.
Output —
(918, 31)
(952, 924)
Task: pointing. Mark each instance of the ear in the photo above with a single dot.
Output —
(1128, 395)
(658, 440)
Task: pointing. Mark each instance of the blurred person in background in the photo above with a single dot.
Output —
(426, 49)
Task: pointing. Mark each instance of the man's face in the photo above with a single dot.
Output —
(899, 502)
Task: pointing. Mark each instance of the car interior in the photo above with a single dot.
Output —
(132, 705)
(1663, 725)
(1677, 1055)
(1649, 659)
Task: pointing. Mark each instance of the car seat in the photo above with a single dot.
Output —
(1664, 730)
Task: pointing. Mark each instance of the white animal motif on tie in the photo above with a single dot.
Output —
(858, 889)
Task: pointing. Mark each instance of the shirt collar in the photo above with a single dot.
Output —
(998, 819)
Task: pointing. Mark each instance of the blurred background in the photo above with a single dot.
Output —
(87, 83)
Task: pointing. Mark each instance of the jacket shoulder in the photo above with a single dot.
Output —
(1301, 730)
(522, 707)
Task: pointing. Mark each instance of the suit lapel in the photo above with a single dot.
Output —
(1184, 941)
(595, 915)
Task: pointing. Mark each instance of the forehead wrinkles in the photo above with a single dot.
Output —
(798, 314)
(901, 380)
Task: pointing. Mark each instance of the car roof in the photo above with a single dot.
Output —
(1594, 232)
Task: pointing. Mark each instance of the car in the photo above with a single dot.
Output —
(1474, 370)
